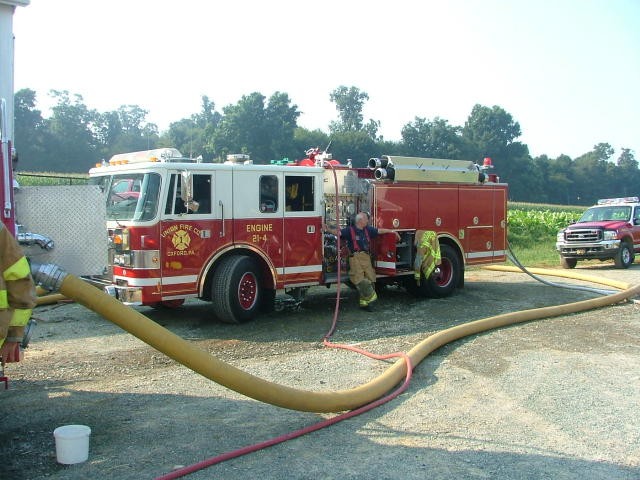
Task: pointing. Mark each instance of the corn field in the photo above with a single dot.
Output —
(40, 179)
(532, 230)
(540, 220)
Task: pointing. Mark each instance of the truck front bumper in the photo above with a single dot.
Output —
(599, 250)
(127, 295)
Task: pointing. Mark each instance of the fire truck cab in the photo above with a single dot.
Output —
(236, 233)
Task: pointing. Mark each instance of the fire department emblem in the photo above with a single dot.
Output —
(181, 240)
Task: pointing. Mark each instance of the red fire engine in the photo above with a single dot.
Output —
(236, 233)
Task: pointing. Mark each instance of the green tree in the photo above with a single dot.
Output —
(281, 119)
(349, 103)
(628, 174)
(357, 146)
(192, 136)
(491, 132)
(208, 116)
(559, 182)
(30, 132)
(264, 131)
(186, 136)
(304, 139)
(241, 129)
(434, 139)
(125, 130)
(627, 160)
(593, 178)
(72, 142)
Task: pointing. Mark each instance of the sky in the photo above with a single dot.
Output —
(568, 71)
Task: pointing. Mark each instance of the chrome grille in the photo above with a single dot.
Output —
(584, 235)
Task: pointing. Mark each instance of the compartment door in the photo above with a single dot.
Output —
(302, 229)
(477, 222)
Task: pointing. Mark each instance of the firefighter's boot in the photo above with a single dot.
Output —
(367, 294)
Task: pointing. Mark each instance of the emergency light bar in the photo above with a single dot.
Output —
(610, 201)
(156, 155)
(238, 158)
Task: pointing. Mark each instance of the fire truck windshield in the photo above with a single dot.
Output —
(130, 196)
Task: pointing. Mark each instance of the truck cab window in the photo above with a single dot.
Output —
(268, 194)
(299, 195)
(133, 196)
(175, 204)
(202, 194)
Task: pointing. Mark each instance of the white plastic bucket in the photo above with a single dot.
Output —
(72, 443)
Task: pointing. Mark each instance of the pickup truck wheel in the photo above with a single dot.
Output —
(236, 290)
(624, 257)
(568, 262)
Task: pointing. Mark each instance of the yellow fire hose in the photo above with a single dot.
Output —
(242, 382)
(49, 299)
(46, 298)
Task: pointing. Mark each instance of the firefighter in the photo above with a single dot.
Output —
(17, 296)
(361, 272)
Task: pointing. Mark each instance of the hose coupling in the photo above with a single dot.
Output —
(48, 275)
(28, 239)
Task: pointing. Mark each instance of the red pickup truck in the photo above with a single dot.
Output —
(608, 230)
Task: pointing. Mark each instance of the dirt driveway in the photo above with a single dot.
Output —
(557, 398)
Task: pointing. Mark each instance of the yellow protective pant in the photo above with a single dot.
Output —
(363, 276)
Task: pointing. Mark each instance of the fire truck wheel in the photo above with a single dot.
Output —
(624, 257)
(444, 280)
(568, 262)
(236, 289)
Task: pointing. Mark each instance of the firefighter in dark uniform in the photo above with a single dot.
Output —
(361, 272)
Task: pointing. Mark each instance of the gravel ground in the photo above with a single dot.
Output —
(557, 398)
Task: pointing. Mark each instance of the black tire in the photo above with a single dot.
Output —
(236, 289)
(624, 257)
(447, 276)
(568, 262)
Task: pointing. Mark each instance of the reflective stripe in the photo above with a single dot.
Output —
(179, 280)
(17, 271)
(20, 317)
(380, 264)
(497, 253)
(152, 282)
(301, 269)
(179, 297)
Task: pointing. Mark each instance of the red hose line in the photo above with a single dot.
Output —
(296, 433)
(179, 473)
